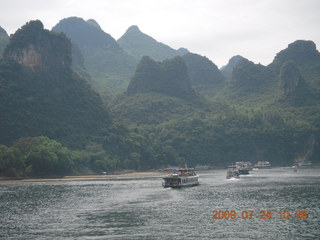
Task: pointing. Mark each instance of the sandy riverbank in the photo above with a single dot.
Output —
(124, 176)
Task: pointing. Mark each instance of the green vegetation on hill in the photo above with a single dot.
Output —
(40, 95)
(301, 52)
(270, 113)
(227, 70)
(222, 139)
(109, 66)
(250, 113)
(152, 108)
(169, 77)
(204, 75)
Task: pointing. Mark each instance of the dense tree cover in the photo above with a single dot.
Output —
(260, 113)
(168, 77)
(152, 108)
(54, 49)
(204, 75)
(45, 97)
(301, 52)
(227, 70)
(121, 148)
(38, 156)
(270, 113)
(231, 137)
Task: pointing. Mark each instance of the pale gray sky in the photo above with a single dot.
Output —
(218, 29)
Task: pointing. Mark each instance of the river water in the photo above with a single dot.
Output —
(142, 209)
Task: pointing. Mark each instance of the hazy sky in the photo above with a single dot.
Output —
(218, 29)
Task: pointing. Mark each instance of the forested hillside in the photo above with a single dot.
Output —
(40, 95)
(159, 111)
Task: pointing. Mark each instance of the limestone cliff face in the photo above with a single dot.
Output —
(290, 78)
(40, 94)
(28, 56)
(36, 48)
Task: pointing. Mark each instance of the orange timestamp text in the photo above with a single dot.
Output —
(263, 214)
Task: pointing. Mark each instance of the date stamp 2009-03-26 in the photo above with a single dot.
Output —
(262, 214)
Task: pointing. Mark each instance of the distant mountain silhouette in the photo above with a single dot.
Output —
(107, 63)
(301, 52)
(140, 44)
(4, 40)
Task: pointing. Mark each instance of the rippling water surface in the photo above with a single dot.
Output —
(142, 209)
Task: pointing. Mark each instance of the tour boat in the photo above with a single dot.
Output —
(233, 172)
(263, 165)
(243, 167)
(183, 177)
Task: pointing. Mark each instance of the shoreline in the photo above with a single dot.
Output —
(98, 177)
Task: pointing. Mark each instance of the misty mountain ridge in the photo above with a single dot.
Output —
(109, 66)
(180, 109)
(140, 44)
(4, 40)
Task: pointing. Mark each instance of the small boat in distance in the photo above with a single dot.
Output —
(304, 164)
(233, 172)
(263, 165)
(243, 167)
(183, 177)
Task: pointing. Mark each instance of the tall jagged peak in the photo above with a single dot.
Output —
(301, 52)
(33, 46)
(140, 44)
(135, 34)
(290, 78)
(169, 77)
(85, 33)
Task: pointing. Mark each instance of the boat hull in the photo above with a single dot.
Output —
(180, 182)
(180, 186)
(243, 171)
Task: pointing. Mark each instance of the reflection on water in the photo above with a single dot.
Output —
(142, 209)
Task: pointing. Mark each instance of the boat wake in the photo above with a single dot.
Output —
(234, 179)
